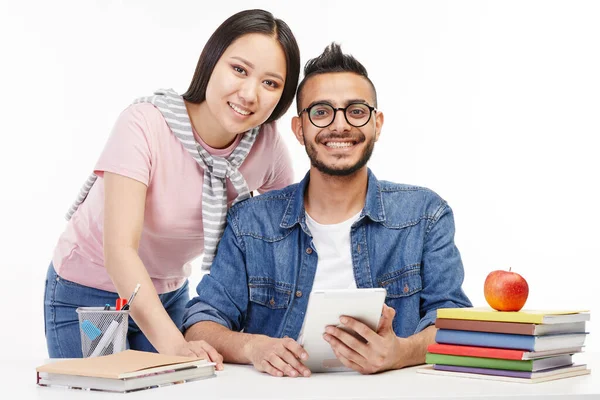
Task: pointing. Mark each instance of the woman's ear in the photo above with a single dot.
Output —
(297, 128)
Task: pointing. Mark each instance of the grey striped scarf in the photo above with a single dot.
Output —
(216, 169)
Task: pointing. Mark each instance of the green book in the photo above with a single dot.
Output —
(499, 363)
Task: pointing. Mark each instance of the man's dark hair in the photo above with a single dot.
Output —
(242, 23)
(332, 60)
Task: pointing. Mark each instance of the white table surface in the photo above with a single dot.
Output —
(243, 382)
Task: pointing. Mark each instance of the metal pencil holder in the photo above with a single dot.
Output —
(102, 331)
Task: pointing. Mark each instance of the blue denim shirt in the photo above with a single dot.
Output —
(263, 273)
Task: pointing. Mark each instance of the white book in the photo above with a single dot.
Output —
(124, 372)
(126, 384)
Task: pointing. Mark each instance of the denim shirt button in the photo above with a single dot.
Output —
(298, 293)
(272, 302)
(308, 250)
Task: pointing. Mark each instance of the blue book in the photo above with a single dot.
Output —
(510, 341)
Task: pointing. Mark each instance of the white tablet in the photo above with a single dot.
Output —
(325, 307)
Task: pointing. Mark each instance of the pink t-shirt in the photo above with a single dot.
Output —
(142, 147)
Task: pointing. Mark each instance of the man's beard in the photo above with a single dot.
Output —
(344, 171)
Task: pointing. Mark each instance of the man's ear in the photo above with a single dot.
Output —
(378, 124)
(297, 128)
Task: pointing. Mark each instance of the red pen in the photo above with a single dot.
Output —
(120, 303)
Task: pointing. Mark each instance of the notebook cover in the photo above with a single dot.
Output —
(527, 316)
(127, 363)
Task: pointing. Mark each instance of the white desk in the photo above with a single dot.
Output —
(243, 382)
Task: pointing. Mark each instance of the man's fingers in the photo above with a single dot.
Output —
(295, 348)
(270, 369)
(341, 348)
(387, 318)
(348, 363)
(363, 330)
(277, 362)
(348, 340)
(279, 357)
(290, 358)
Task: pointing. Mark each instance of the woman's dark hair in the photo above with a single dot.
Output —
(331, 60)
(242, 23)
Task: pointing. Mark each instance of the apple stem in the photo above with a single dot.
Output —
(509, 268)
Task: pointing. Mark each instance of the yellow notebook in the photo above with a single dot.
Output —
(526, 316)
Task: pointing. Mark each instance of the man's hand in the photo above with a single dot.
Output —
(383, 350)
(199, 348)
(277, 357)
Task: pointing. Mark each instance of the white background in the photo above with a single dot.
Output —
(494, 105)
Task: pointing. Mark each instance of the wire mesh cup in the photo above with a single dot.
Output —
(103, 332)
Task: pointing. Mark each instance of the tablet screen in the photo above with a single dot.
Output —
(325, 307)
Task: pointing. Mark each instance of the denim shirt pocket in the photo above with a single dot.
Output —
(403, 288)
(266, 292)
(402, 282)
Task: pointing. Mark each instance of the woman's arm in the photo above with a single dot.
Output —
(124, 204)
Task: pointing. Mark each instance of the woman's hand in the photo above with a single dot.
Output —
(199, 348)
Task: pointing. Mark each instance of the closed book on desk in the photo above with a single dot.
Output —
(505, 375)
(493, 352)
(525, 316)
(124, 372)
(498, 363)
(516, 328)
(510, 341)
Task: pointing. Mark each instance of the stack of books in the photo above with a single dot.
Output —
(526, 346)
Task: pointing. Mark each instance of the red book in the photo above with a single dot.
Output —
(491, 352)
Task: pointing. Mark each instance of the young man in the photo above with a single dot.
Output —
(338, 228)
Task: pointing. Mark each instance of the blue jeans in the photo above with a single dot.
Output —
(61, 299)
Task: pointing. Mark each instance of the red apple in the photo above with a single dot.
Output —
(505, 290)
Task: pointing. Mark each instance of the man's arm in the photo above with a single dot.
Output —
(442, 271)
(276, 357)
(219, 312)
(413, 348)
(232, 345)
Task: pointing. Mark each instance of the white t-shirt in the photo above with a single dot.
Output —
(334, 265)
(332, 242)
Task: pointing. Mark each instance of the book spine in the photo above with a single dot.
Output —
(479, 362)
(484, 371)
(485, 339)
(472, 351)
(485, 326)
(498, 316)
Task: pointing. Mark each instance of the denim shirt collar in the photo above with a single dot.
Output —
(296, 214)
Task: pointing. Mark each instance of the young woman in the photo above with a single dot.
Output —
(163, 183)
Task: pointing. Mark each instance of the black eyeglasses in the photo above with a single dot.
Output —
(322, 115)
